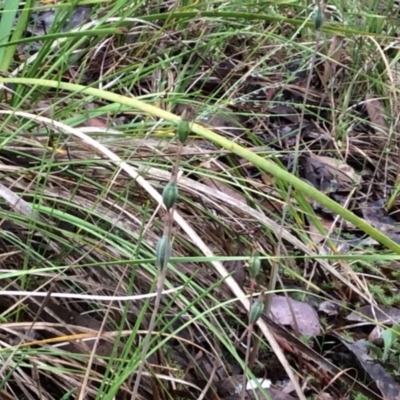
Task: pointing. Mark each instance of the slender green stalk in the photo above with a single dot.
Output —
(17, 35)
(8, 16)
(258, 17)
(163, 252)
(253, 158)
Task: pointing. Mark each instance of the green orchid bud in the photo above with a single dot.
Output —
(319, 17)
(257, 308)
(163, 251)
(183, 130)
(254, 267)
(170, 195)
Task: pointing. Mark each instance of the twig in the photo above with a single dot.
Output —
(163, 254)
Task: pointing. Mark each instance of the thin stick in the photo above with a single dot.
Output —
(169, 218)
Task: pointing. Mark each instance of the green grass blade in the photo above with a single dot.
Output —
(8, 17)
(255, 159)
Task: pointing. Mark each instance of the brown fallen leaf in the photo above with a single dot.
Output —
(334, 56)
(314, 233)
(237, 269)
(329, 308)
(73, 321)
(288, 113)
(326, 171)
(304, 317)
(375, 315)
(376, 112)
(377, 216)
(294, 345)
(216, 184)
(221, 119)
(97, 122)
(376, 336)
(386, 384)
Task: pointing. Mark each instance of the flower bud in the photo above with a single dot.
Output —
(254, 267)
(183, 130)
(319, 18)
(163, 252)
(257, 308)
(170, 195)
